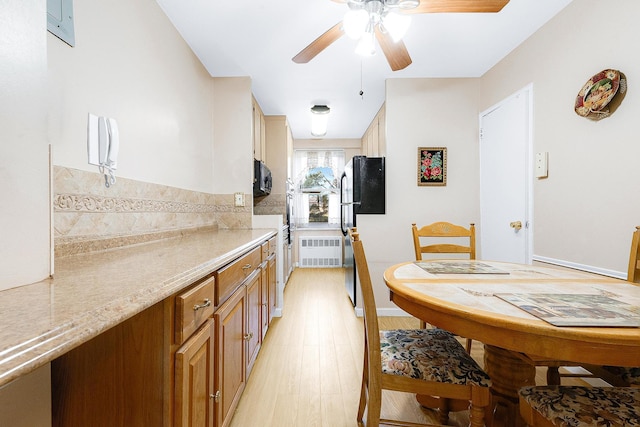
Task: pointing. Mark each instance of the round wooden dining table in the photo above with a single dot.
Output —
(522, 313)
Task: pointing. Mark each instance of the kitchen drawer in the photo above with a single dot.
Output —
(272, 245)
(193, 308)
(265, 251)
(232, 275)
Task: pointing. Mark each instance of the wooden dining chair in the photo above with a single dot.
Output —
(454, 235)
(633, 273)
(622, 376)
(422, 361)
(560, 406)
(618, 376)
(446, 230)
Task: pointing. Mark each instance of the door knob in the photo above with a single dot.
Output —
(516, 224)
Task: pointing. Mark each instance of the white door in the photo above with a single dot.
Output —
(505, 180)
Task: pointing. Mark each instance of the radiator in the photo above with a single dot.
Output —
(320, 251)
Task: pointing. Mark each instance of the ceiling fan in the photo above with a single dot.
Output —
(376, 21)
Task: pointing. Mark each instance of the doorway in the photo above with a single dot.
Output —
(506, 185)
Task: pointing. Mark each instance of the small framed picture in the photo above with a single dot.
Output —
(432, 166)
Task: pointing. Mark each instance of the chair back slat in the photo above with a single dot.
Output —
(445, 230)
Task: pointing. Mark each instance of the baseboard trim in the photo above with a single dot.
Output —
(385, 312)
(582, 267)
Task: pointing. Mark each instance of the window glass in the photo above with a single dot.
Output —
(316, 177)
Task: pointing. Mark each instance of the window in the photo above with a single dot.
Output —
(316, 177)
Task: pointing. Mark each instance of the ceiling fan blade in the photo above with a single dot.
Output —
(319, 44)
(459, 6)
(395, 52)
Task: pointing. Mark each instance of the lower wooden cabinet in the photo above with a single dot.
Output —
(183, 362)
(116, 379)
(253, 336)
(264, 300)
(194, 379)
(230, 380)
(272, 284)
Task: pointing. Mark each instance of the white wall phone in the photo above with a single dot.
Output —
(103, 143)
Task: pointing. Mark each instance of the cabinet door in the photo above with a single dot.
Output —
(230, 378)
(273, 282)
(264, 300)
(254, 308)
(194, 380)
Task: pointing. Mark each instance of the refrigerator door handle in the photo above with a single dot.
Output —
(342, 204)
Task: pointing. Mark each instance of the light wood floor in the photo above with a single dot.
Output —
(309, 369)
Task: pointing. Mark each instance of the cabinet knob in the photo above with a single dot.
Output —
(215, 397)
(248, 336)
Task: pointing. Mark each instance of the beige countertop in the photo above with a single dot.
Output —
(91, 293)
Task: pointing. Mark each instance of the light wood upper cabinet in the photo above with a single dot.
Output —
(279, 148)
(258, 132)
(374, 142)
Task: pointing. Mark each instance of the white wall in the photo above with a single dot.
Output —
(26, 401)
(586, 210)
(24, 149)
(423, 113)
(131, 64)
(351, 146)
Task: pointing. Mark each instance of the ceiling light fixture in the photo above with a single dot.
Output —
(366, 16)
(319, 120)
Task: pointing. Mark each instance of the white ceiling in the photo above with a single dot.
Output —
(259, 38)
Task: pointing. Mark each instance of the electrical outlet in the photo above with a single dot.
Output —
(238, 199)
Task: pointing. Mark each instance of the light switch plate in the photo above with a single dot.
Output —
(238, 199)
(542, 168)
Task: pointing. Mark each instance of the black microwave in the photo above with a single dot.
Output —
(261, 179)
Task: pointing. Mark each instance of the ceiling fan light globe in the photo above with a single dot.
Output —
(366, 46)
(355, 23)
(396, 25)
(356, 3)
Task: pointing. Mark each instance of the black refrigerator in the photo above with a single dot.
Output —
(362, 192)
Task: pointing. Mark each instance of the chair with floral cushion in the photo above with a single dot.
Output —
(617, 376)
(622, 376)
(422, 361)
(574, 406)
(633, 273)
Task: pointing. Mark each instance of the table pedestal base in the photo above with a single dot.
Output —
(508, 374)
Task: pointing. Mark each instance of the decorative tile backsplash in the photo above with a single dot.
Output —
(89, 216)
(273, 204)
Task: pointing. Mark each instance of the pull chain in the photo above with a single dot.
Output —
(361, 93)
